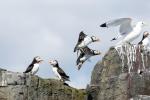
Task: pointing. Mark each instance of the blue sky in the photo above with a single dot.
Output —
(50, 28)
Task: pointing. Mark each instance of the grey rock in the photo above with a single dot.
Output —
(18, 86)
(111, 79)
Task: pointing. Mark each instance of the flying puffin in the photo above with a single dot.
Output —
(85, 54)
(84, 40)
(145, 40)
(34, 66)
(126, 29)
(58, 71)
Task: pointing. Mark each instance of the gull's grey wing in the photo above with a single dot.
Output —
(124, 23)
(125, 27)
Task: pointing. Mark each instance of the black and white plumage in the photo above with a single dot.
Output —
(58, 71)
(84, 40)
(34, 66)
(145, 40)
(85, 54)
(126, 29)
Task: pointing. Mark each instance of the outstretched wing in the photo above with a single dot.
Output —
(29, 68)
(80, 56)
(124, 23)
(63, 74)
(86, 50)
(82, 35)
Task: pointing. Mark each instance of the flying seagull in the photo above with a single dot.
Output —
(126, 29)
(34, 66)
(145, 40)
(58, 71)
(85, 54)
(84, 40)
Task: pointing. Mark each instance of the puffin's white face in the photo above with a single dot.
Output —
(146, 34)
(96, 52)
(53, 62)
(38, 59)
(95, 39)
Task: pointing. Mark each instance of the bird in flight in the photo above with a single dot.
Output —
(126, 29)
(86, 53)
(84, 40)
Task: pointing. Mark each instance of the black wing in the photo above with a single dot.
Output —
(29, 68)
(80, 39)
(141, 41)
(80, 56)
(63, 74)
(86, 50)
(82, 35)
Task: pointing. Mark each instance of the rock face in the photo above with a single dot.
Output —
(18, 86)
(123, 74)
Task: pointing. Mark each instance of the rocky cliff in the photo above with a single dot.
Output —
(18, 86)
(123, 74)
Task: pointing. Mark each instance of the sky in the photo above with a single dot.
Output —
(50, 29)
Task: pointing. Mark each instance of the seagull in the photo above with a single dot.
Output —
(126, 30)
(58, 71)
(145, 40)
(85, 54)
(84, 40)
(34, 66)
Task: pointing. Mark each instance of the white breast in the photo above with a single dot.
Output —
(35, 69)
(85, 58)
(133, 35)
(55, 72)
(145, 42)
(87, 40)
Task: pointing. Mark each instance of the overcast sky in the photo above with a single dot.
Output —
(50, 28)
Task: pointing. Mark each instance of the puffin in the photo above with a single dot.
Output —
(145, 40)
(34, 66)
(85, 54)
(84, 40)
(58, 71)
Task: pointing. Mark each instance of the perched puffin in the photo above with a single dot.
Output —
(58, 71)
(84, 40)
(85, 54)
(145, 40)
(34, 66)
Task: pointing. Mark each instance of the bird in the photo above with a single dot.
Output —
(145, 40)
(84, 40)
(34, 66)
(86, 53)
(126, 30)
(58, 71)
